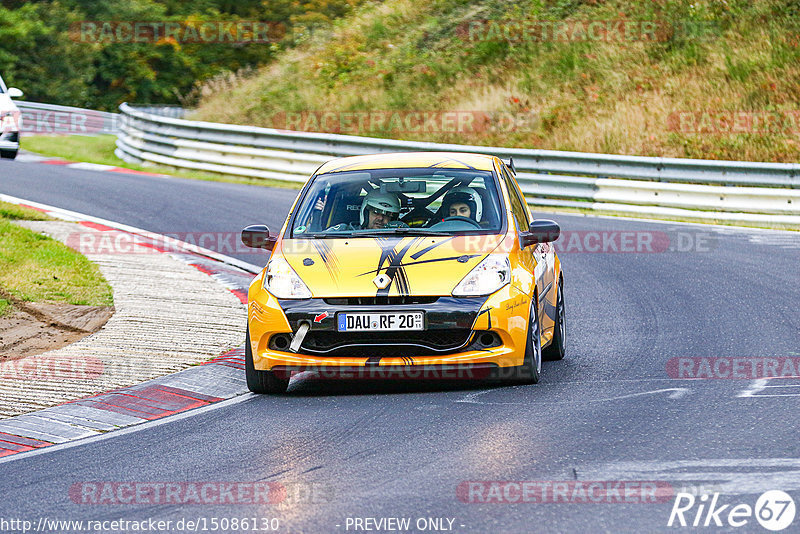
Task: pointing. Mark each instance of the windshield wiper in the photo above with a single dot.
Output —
(344, 233)
(373, 232)
(404, 231)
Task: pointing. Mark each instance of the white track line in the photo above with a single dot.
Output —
(130, 429)
(75, 216)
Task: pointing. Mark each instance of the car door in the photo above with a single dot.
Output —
(542, 257)
(521, 221)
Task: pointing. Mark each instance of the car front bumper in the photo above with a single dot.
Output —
(477, 333)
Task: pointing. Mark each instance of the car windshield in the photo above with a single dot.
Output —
(399, 201)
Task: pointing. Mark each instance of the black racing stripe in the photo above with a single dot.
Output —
(390, 272)
(401, 278)
(403, 265)
(387, 245)
(387, 251)
(395, 270)
(451, 258)
(425, 250)
(401, 270)
(334, 259)
(449, 160)
(328, 258)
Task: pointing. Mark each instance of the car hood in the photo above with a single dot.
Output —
(419, 266)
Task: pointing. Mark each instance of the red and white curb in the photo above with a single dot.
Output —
(200, 386)
(28, 157)
(219, 379)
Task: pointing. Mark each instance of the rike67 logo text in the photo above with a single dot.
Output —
(774, 510)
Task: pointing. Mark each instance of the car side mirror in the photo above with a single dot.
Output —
(13, 92)
(257, 236)
(540, 231)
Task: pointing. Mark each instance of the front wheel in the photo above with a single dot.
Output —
(8, 154)
(261, 381)
(556, 349)
(531, 368)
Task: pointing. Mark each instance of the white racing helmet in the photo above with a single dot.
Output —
(385, 203)
(468, 196)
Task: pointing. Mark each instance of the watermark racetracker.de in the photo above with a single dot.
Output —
(62, 122)
(523, 30)
(569, 241)
(536, 30)
(406, 121)
(729, 122)
(202, 493)
(184, 32)
(733, 367)
(564, 492)
(50, 367)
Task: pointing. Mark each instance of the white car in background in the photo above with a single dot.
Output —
(10, 121)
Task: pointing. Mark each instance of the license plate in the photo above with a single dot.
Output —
(380, 322)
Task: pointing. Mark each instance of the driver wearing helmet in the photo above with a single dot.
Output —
(378, 211)
(463, 202)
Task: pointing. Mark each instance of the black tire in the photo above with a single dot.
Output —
(531, 368)
(261, 381)
(8, 154)
(556, 349)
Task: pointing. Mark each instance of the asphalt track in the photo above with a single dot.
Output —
(609, 412)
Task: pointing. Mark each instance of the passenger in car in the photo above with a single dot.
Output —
(463, 202)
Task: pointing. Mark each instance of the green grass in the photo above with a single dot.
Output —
(36, 268)
(100, 149)
(15, 212)
(5, 307)
(612, 96)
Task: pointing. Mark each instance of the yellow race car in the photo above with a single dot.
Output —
(417, 265)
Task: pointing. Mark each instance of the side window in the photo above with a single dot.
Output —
(518, 206)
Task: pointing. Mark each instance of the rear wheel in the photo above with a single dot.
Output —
(556, 349)
(8, 154)
(261, 381)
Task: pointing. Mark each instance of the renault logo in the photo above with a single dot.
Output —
(381, 281)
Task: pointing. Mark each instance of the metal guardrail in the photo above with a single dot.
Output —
(163, 110)
(766, 193)
(50, 119)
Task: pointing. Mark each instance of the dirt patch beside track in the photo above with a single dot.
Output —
(34, 328)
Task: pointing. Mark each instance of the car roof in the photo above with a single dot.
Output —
(408, 160)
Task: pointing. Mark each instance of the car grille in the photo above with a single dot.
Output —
(368, 344)
(380, 301)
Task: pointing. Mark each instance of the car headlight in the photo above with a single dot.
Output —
(283, 282)
(487, 277)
